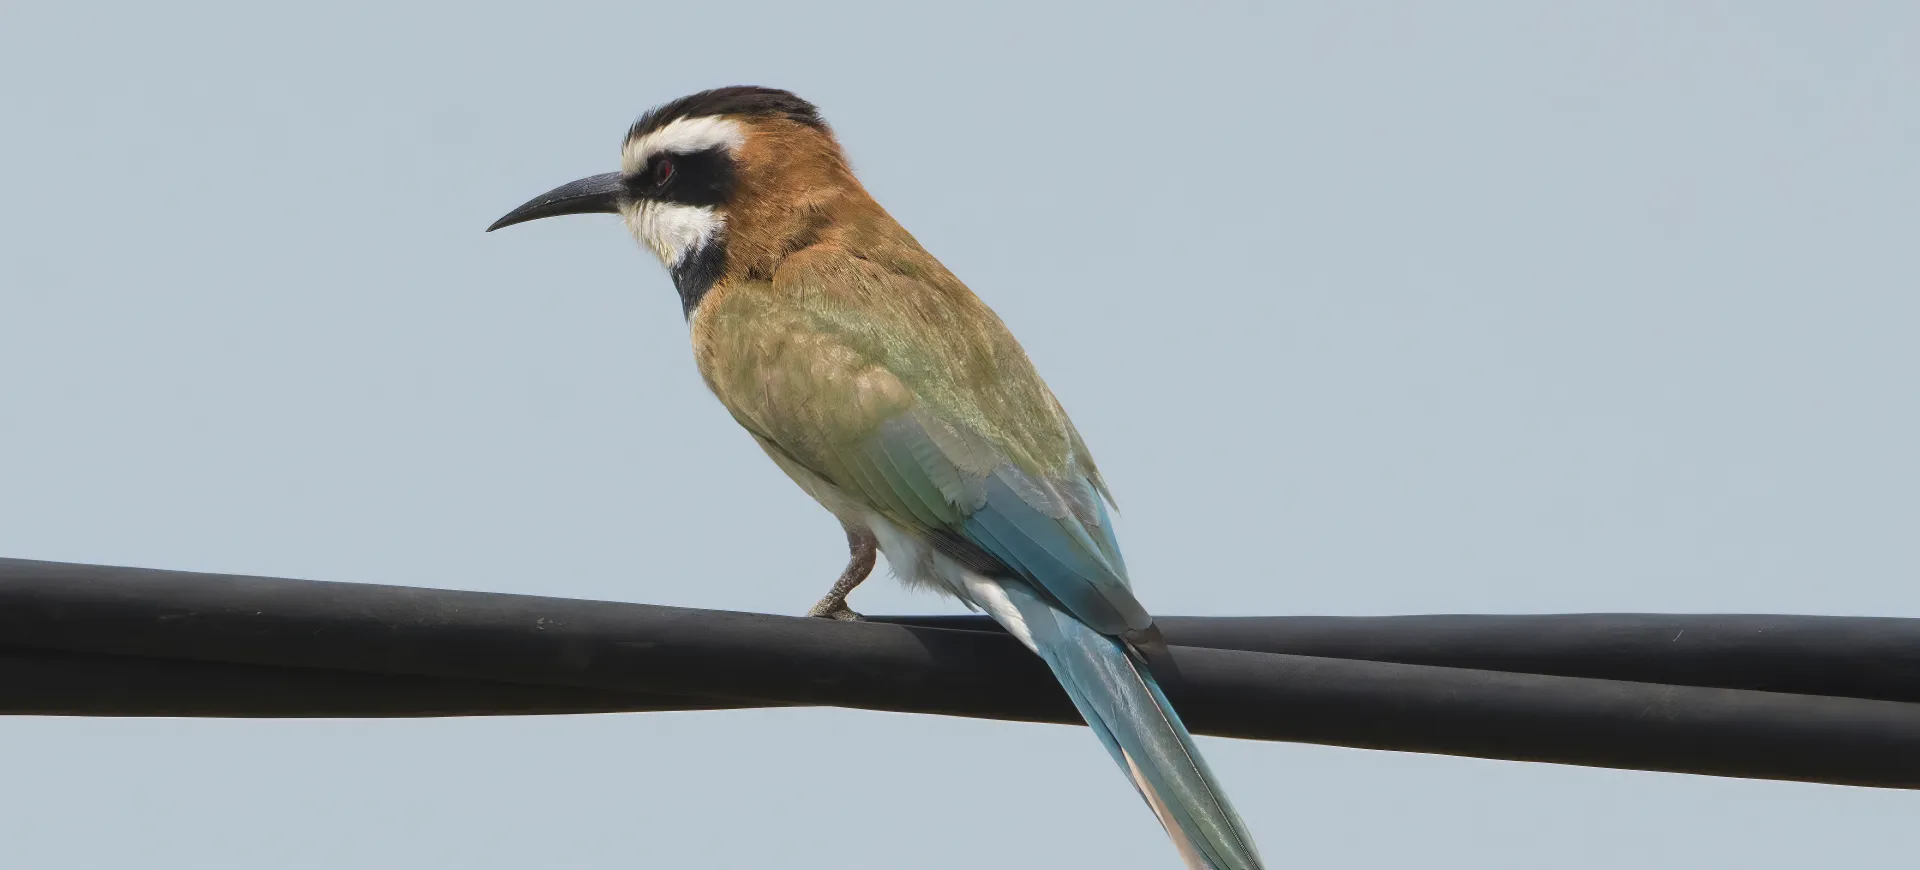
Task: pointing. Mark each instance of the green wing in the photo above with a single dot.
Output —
(919, 405)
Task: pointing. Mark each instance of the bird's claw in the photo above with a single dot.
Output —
(835, 610)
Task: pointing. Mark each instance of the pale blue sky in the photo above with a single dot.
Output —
(1365, 308)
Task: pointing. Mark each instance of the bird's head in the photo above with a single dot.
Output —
(722, 180)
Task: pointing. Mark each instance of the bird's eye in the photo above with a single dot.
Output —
(662, 172)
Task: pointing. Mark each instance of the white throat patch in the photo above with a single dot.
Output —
(673, 230)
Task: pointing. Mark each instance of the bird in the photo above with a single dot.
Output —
(898, 400)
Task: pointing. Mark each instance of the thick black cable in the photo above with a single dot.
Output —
(1843, 656)
(90, 640)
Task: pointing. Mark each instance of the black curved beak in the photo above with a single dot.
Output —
(599, 194)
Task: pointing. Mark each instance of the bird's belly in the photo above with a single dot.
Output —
(818, 488)
(918, 564)
(912, 559)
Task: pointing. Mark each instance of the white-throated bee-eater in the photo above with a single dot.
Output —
(899, 401)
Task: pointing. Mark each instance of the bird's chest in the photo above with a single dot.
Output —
(788, 380)
(804, 397)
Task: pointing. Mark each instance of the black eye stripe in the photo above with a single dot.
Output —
(691, 178)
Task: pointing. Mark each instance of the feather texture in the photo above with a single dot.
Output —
(980, 489)
(826, 388)
(899, 401)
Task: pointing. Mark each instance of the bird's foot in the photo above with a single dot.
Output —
(835, 609)
(861, 549)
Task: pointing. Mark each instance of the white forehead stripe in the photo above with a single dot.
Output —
(683, 136)
(673, 230)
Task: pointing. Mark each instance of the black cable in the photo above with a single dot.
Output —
(1845, 656)
(91, 640)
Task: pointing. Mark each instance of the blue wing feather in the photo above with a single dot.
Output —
(1043, 550)
(1047, 544)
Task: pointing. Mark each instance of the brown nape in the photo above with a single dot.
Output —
(794, 190)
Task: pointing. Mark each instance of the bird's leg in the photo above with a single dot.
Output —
(861, 548)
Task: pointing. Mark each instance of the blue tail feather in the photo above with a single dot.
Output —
(1126, 709)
